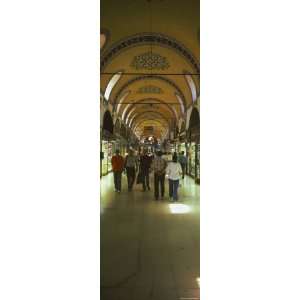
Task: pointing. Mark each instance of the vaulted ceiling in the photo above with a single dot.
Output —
(150, 61)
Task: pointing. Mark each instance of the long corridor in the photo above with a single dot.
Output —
(149, 249)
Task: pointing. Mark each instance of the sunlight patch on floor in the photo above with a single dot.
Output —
(178, 208)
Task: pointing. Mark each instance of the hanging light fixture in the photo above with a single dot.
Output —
(150, 23)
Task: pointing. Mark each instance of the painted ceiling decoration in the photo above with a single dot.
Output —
(149, 61)
(148, 39)
(150, 89)
(151, 77)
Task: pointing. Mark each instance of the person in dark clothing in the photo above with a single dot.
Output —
(145, 164)
(159, 167)
(131, 164)
(183, 162)
(117, 162)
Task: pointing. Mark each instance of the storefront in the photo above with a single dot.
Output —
(182, 147)
(198, 165)
(110, 152)
(106, 144)
(192, 159)
(194, 146)
(173, 148)
(104, 164)
(121, 145)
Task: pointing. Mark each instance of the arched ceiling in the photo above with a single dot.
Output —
(153, 43)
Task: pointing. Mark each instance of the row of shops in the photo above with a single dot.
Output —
(192, 152)
(113, 137)
(186, 140)
(108, 148)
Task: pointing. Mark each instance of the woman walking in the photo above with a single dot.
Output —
(174, 172)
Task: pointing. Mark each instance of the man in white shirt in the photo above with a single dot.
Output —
(174, 172)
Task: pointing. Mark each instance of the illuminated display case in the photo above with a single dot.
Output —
(182, 148)
(172, 148)
(109, 156)
(192, 160)
(198, 160)
(104, 160)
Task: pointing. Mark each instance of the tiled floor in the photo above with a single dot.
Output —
(149, 249)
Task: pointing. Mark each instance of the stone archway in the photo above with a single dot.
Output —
(108, 124)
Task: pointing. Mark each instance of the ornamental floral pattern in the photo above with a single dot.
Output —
(150, 89)
(149, 61)
(146, 39)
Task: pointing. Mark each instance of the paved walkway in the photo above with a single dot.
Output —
(149, 249)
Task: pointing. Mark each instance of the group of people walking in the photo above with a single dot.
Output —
(144, 165)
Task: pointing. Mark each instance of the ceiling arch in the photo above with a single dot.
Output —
(146, 127)
(108, 124)
(194, 118)
(138, 123)
(147, 115)
(139, 61)
(149, 77)
(149, 39)
(150, 102)
(104, 37)
(136, 116)
(117, 127)
(192, 85)
(111, 84)
(122, 99)
(156, 44)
